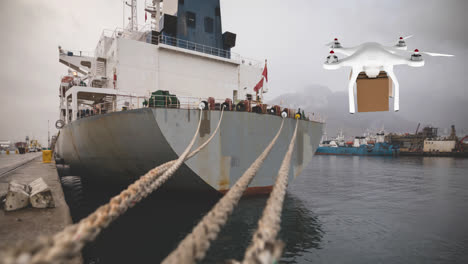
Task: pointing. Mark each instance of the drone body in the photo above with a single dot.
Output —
(372, 58)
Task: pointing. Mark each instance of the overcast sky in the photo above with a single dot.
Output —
(290, 34)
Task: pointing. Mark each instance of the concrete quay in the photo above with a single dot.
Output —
(13, 161)
(29, 223)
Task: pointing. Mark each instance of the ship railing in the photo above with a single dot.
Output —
(130, 102)
(78, 53)
(128, 34)
(172, 101)
(185, 44)
(120, 33)
(180, 43)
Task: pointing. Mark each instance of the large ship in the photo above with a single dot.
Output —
(134, 104)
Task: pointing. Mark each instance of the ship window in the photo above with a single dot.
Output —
(208, 25)
(217, 11)
(181, 2)
(190, 19)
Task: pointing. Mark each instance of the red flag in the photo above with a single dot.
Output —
(265, 72)
(259, 85)
(145, 16)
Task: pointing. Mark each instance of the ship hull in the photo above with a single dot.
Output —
(120, 147)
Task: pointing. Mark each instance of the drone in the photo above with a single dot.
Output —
(371, 58)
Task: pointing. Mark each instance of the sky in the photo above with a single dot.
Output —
(290, 34)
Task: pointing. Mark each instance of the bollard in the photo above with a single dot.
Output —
(16, 151)
(47, 156)
(8, 152)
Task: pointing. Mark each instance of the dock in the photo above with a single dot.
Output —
(29, 223)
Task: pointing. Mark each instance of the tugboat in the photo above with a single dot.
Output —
(134, 104)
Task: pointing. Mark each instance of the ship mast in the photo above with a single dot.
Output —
(155, 10)
(133, 24)
(157, 6)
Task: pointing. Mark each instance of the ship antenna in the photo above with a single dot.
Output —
(154, 8)
(157, 5)
(133, 25)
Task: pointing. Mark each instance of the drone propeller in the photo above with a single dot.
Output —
(401, 44)
(407, 37)
(416, 51)
(334, 44)
(437, 54)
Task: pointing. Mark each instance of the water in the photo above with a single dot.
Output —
(340, 210)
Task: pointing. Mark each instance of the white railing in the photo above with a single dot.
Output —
(123, 103)
(180, 43)
(78, 53)
(185, 44)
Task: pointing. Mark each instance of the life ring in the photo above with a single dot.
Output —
(298, 116)
(272, 111)
(59, 124)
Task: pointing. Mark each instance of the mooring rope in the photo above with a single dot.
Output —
(195, 152)
(195, 245)
(69, 242)
(265, 248)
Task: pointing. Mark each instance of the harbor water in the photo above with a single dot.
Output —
(342, 209)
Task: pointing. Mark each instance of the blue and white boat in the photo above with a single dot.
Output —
(360, 147)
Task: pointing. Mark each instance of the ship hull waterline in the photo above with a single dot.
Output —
(119, 147)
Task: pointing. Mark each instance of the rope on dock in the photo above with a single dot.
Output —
(265, 248)
(195, 245)
(69, 242)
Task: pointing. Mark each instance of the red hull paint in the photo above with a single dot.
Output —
(253, 190)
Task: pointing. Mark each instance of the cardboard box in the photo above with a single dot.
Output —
(373, 93)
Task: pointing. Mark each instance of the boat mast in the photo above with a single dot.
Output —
(157, 6)
(155, 10)
(133, 24)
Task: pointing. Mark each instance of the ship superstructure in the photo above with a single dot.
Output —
(186, 54)
(134, 104)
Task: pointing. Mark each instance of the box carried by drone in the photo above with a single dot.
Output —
(373, 93)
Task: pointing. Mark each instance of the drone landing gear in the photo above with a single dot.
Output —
(352, 81)
(396, 88)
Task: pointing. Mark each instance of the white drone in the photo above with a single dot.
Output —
(372, 58)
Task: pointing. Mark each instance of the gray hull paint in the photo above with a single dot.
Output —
(119, 147)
